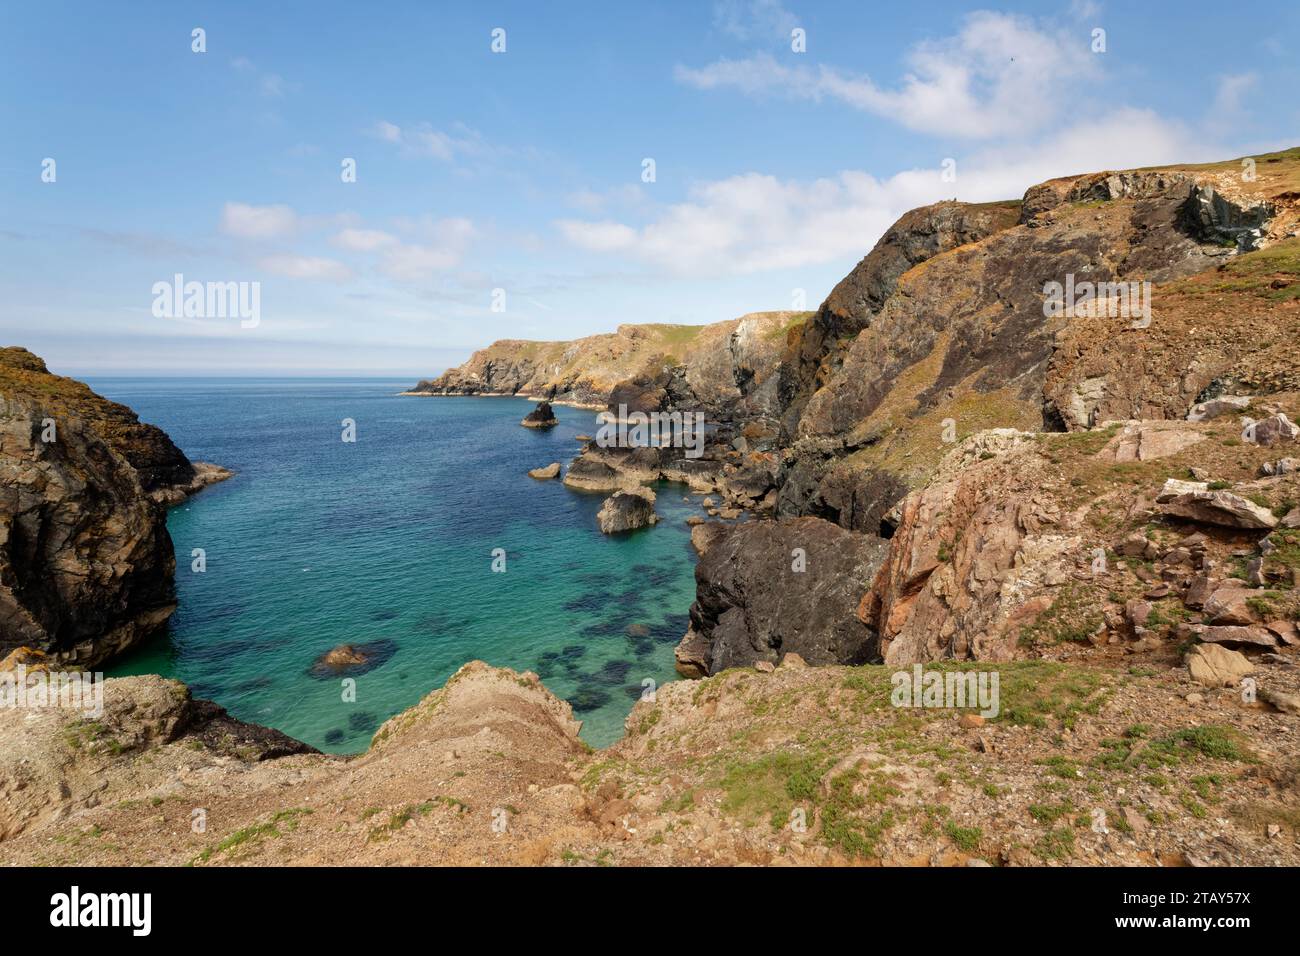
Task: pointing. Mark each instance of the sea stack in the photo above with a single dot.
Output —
(541, 417)
(627, 510)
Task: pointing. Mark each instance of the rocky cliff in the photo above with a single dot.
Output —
(85, 559)
(723, 367)
(943, 335)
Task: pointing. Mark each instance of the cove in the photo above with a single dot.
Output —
(317, 542)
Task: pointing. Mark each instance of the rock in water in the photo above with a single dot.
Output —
(541, 417)
(550, 471)
(627, 510)
(353, 658)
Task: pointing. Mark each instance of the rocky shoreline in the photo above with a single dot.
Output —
(86, 563)
(937, 474)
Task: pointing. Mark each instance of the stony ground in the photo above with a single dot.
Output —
(1100, 758)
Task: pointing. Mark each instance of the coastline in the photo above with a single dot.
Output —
(568, 403)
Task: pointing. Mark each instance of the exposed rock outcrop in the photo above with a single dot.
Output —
(546, 472)
(543, 416)
(85, 559)
(627, 510)
(766, 588)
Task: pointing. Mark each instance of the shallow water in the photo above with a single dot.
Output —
(317, 542)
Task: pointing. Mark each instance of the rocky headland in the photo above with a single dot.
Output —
(85, 559)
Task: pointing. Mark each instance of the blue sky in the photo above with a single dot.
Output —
(522, 171)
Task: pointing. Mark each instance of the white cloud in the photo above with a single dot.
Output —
(363, 240)
(306, 267)
(257, 222)
(1227, 99)
(440, 246)
(598, 236)
(423, 140)
(752, 222)
(999, 76)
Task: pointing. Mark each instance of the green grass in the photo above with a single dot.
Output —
(771, 786)
(284, 821)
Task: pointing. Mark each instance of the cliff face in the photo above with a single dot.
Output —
(85, 559)
(726, 366)
(940, 334)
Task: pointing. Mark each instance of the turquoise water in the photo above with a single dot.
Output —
(388, 541)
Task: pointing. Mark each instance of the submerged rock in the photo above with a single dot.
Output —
(353, 659)
(627, 510)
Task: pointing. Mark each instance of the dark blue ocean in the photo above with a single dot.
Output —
(389, 541)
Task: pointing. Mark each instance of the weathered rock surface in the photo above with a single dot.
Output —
(85, 559)
(1216, 666)
(543, 416)
(546, 472)
(1220, 508)
(728, 366)
(627, 510)
(765, 588)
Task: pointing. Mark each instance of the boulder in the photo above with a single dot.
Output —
(1175, 487)
(1220, 508)
(1235, 634)
(1214, 407)
(1214, 666)
(1283, 466)
(627, 510)
(1229, 605)
(1136, 545)
(543, 416)
(550, 471)
(1273, 430)
(1223, 405)
(1199, 591)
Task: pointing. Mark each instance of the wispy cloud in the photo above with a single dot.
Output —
(754, 20)
(422, 139)
(751, 223)
(243, 221)
(305, 267)
(1001, 75)
(271, 85)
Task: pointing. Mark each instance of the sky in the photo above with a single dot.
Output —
(604, 164)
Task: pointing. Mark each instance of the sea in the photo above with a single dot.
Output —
(422, 539)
